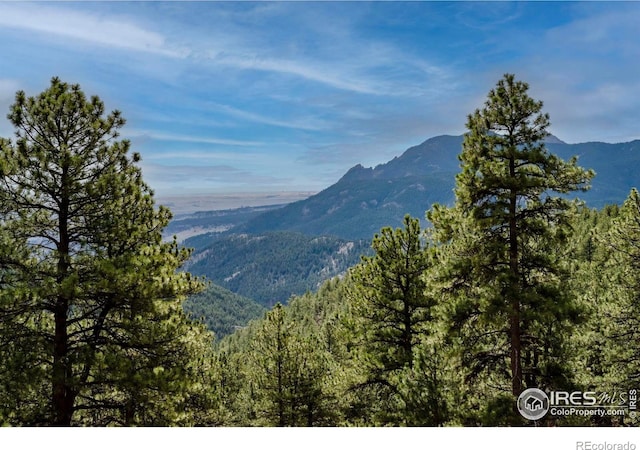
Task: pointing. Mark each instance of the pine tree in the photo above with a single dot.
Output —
(503, 241)
(288, 373)
(390, 295)
(391, 310)
(90, 297)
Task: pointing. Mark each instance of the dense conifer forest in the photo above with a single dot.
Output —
(513, 286)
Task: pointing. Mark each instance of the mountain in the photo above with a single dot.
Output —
(271, 267)
(617, 168)
(366, 199)
(271, 253)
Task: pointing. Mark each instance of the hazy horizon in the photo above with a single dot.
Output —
(190, 203)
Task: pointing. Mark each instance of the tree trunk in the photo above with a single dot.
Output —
(63, 397)
(514, 319)
(406, 280)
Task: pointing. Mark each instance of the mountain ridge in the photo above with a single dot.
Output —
(365, 199)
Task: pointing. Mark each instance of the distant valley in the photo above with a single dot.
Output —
(211, 223)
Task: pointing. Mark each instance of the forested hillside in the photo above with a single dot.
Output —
(345, 361)
(271, 267)
(222, 311)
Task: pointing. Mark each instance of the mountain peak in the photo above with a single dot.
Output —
(358, 172)
(551, 139)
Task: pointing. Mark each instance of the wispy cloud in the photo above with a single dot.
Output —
(120, 33)
(239, 94)
(377, 70)
(301, 124)
(600, 30)
(586, 70)
(200, 156)
(483, 17)
(155, 135)
(358, 65)
(180, 173)
(327, 46)
(309, 70)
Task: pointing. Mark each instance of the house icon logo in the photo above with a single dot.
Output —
(533, 404)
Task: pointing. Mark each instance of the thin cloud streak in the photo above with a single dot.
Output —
(68, 23)
(203, 178)
(151, 134)
(367, 76)
(308, 124)
(203, 156)
(297, 68)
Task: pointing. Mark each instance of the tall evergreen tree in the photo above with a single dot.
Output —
(390, 295)
(391, 307)
(502, 239)
(89, 297)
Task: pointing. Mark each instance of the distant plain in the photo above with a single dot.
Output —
(188, 204)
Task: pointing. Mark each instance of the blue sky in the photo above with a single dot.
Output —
(260, 97)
